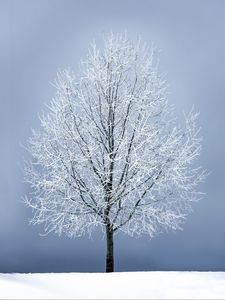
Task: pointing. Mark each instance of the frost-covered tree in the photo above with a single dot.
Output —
(109, 153)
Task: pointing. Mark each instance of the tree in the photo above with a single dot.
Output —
(109, 154)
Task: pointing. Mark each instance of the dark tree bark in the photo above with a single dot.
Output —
(109, 250)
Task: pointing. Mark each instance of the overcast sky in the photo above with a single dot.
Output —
(40, 37)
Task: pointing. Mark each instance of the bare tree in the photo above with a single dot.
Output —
(109, 153)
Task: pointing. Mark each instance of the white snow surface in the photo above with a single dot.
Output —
(130, 285)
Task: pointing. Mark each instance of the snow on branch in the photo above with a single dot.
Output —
(109, 151)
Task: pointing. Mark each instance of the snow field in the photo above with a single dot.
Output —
(133, 285)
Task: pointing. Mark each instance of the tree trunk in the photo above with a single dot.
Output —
(109, 254)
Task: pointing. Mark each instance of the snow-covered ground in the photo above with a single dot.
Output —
(133, 285)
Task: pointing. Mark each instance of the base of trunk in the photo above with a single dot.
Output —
(109, 255)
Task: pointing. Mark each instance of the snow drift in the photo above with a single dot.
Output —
(133, 285)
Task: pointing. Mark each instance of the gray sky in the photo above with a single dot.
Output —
(40, 37)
